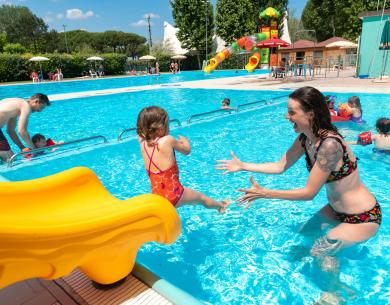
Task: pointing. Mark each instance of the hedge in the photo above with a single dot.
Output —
(15, 67)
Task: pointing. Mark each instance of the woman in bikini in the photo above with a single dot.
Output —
(352, 208)
(158, 151)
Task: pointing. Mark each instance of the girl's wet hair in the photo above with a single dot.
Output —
(383, 125)
(150, 120)
(355, 102)
(312, 100)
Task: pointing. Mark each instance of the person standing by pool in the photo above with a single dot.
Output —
(158, 151)
(352, 208)
(10, 110)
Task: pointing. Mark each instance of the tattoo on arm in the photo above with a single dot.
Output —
(329, 155)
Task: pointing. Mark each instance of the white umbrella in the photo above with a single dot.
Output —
(342, 44)
(179, 57)
(94, 58)
(147, 57)
(39, 59)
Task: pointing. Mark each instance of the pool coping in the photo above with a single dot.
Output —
(169, 291)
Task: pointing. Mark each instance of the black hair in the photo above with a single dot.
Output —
(226, 100)
(41, 98)
(383, 125)
(312, 100)
(37, 137)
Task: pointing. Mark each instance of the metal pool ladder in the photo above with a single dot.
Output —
(32, 151)
(134, 128)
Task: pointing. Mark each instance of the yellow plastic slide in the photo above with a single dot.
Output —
(253, 62)
(51, 225)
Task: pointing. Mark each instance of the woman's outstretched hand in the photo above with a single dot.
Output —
(229, 166)
(255, 192)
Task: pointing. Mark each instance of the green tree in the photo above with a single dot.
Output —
(297, 30)
(232, 20)
(22, 26)
(190, 17)
(3, 41)
(336, 17)
(14, 48)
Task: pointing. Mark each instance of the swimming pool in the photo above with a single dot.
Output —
(26, 90)
(253, 256)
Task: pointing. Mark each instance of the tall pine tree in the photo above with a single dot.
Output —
(190, 17)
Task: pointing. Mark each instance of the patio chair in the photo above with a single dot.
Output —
(93, 74)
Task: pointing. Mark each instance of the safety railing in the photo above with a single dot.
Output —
(120, 136)
(229, 110)
(37, 150)
(261, 102)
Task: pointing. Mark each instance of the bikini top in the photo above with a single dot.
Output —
(150, 157)
(345, 170)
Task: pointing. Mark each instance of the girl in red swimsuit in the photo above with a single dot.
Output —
(158, 151)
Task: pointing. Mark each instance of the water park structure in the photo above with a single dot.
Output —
(258, 44)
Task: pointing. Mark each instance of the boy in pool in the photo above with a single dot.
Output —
(380, 140)
(158, 151)
(226, 104)
(40, 141)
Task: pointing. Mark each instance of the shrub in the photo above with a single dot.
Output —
(16, 67)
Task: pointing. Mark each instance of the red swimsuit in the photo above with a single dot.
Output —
(165, 182)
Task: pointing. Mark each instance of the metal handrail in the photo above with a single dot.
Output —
(230, 110)
(124, 131)
(261, 101)
(32, 151)
(134, 128)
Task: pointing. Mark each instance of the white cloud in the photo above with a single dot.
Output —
(152, 16)
(76, 13)
(48, 19)
(60, 16)
(141, 23)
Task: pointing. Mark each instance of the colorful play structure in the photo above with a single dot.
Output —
(52, 225)
(248, 44)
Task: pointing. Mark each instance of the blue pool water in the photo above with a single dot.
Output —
(254, 256)
(26, 90)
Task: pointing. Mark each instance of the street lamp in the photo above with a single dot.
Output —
(150, 33)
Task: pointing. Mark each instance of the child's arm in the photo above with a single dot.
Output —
(181, 145)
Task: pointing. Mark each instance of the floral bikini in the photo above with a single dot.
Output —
(348, 167)
(165, 183)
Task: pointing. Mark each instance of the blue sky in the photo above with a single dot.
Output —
(103, 15)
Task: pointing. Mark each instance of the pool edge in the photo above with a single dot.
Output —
(172, 293)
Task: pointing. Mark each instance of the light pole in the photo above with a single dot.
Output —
(206, 7)
(150, 34)
(66, 41)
